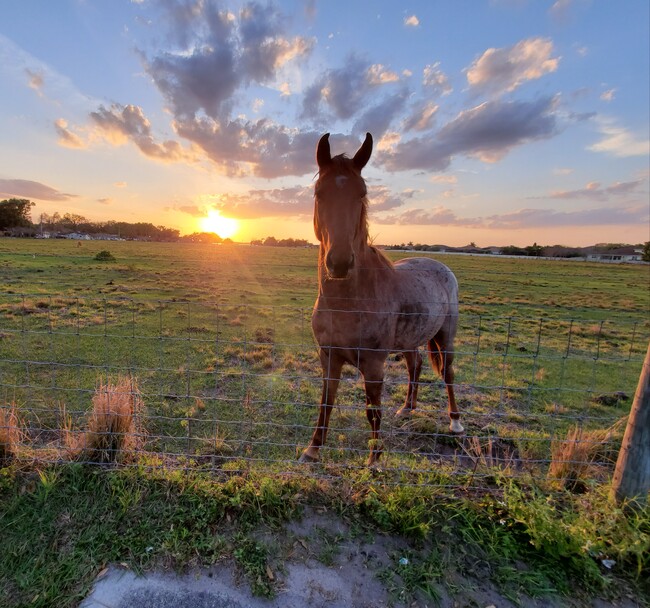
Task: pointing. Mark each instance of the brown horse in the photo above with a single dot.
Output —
(368, 307)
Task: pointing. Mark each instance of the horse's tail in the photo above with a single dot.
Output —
(436, 357)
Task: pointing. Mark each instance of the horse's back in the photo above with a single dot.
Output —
(428, 280)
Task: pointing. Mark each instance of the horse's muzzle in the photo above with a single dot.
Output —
(338, 269)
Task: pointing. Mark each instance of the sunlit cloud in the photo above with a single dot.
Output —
(120, 124)
(411, 21)
(608, 95)
(435, 80)
(619, 141)
(67, 138)
(379, 74)
(506, 69)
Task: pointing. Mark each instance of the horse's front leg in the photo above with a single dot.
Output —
(332, 366)
(373, 375)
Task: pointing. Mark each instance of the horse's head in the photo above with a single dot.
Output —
(340, 206)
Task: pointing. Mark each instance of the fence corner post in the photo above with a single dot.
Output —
(631, 481)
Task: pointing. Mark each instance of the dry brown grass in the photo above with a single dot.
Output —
(115, 431)
(579, 457)
(11, 432)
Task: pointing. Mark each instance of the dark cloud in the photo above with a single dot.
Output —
(379, 117)
(265, 148)
(29, 189)
(488, 132)
(219, 54)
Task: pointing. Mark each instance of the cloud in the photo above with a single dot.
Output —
(36, 80)
(488, 132)
(379, 74)
(522, 218)
(279, 202)
(411, 21)
(120, 184)
(31, 189)
(220, 53)
(378, 118)
(505, 69)
(383, 199)
(435, 80)
(608, 95)
(594, 191)
(438, 216)
(119, 124)
(444, 179)
(421, 117)
(546, 218)
(618, 141)
(105, 201)
(260, 147)
(67, 138)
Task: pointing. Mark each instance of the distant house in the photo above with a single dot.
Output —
(77, 236)
(619, 255)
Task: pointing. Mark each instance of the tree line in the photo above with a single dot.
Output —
(15, 216)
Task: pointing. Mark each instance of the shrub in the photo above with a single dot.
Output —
(105, 256)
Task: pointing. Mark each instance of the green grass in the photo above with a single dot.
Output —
(540, 344)
(63, 524)
(220, 342)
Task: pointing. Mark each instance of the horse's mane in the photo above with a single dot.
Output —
(341, 164)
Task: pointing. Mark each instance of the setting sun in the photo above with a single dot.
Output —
(225, 227)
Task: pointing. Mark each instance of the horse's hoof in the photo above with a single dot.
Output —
(456, 427)
(306, 458)
(404, 412)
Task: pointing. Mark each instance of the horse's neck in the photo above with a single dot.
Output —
(360, 285)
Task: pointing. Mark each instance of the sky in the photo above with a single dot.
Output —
(494, 121)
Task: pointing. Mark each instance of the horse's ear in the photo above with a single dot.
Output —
(362, 156)
(323, 154)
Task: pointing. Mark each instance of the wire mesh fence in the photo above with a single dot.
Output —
(231, 387)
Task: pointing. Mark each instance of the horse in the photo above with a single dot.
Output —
(367, 306)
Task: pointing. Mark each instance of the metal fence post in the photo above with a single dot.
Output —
(631, 480)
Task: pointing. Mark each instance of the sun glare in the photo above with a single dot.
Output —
(225, 227)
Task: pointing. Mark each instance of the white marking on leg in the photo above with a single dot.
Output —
(456, 427)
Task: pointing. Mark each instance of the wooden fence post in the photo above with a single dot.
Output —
(631, 480)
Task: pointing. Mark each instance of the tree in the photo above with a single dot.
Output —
(646, 252)
(15, 212)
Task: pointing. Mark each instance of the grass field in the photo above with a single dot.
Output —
(219, 340)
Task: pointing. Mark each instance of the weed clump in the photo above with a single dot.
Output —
(10, 433)
(115, 430)
(104, 256)
(573, 459)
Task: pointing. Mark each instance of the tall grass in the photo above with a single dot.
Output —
(115, 430)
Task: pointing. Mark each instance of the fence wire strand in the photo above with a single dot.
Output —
(232, 386)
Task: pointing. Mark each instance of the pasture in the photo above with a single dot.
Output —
(219, 341)
(216, 344)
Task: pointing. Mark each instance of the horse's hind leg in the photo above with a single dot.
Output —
(414, 366)
(441, 352)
